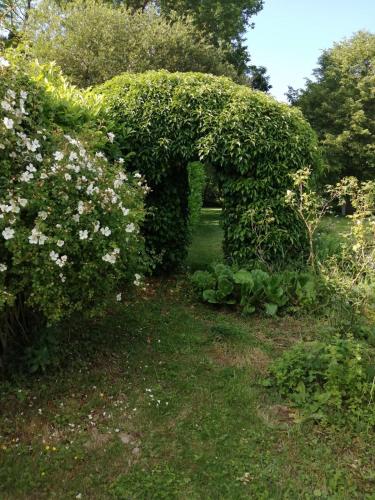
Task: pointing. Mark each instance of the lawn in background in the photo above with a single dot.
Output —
(207, 240)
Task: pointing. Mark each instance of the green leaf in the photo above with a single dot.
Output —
(243, 277)
(210, 296)
(271, 309)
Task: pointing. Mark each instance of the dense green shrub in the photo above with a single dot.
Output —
(69, 220)
(331, 381)
(256, 290)
(169, 120)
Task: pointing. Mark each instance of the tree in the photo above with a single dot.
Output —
(93, 41)
(13, 15)
(258, 78)
(223, 21)
(340, 106)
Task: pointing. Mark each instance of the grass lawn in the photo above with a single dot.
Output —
(207, 240)
(163, 399)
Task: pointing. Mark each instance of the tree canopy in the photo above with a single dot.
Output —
(340, 106)
(93, 41)
(224, 21)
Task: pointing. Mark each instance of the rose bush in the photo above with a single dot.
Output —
(69, 220)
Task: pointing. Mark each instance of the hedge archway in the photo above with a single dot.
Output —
(162, 121)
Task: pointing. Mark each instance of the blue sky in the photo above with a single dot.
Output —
(289, 35)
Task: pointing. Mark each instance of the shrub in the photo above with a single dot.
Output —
(331, 382)
(68, 220)
(254, 142)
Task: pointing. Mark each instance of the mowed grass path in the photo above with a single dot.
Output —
(207, 241)
(163, 399)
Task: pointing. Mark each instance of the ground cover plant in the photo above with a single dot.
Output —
(256, 289)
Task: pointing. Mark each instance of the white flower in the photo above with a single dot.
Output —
(60, 243)
(33, 238)
(22, 202)
(81, 207)
(32, 146)
(37, 238)
(54, 256)
(125, 211)
(42, 239)
(61, 262)
(42, 215)
(137, 280)
(62, 277)
(58, 155)
(96, 226)
(30, 168)
(110, 136)
(118, 296)
(130, 228)
(73, 156)
(83, 235)
(3, 268)
(76, 218)
(105, 231)
(4, 63)
(6, 106)
(137, 175)
(90, 189)
(26, 177)
(8, 122)
(68, 177)
(23, 94)
(111, 258)
(8, 233)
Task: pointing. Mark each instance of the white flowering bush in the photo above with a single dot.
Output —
(69, 220)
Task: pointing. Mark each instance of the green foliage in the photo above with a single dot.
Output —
(197, 179)
(68, 219)
(331, 382)
(60, 104)
(256, 290)
(169, 120)
(341, 108)
(94, 41)
(225, 22)
(212, 196)
(350, 274)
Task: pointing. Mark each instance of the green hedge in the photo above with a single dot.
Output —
(169, 120)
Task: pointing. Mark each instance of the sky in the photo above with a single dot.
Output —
(289, 35)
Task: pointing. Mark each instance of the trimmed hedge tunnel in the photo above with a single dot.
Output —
(163, 121)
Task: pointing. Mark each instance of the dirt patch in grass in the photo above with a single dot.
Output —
(247, 357)
(278, 415)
